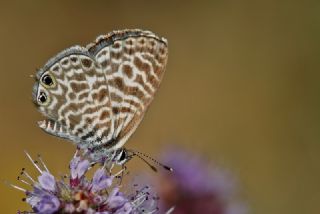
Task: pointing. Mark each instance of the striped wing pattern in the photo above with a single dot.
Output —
(99, 94)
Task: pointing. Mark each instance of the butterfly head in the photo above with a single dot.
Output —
(122, 156)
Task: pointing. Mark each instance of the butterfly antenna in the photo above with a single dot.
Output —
(149, 164)
(142, 156)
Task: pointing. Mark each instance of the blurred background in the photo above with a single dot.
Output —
(241, 89)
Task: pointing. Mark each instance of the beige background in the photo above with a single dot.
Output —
(242, 87)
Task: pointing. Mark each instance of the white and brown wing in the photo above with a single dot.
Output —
(134, 63)
(98, 95)
(71, 91)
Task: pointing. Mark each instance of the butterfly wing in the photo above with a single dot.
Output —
(133, 62)
(71, 91)
(98, 95)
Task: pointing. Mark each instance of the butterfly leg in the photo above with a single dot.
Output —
(123, 170)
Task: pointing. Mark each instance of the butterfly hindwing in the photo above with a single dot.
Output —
(78, 97)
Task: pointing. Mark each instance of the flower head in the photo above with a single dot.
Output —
(195, 186)
(76, 193)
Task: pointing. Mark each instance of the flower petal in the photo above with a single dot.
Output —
(82, 167)
(47, 205)
(73, 166)
(69, 208)
(101, 180)
(116, 200)
(125, 209)
(47, 181)
(78, 167)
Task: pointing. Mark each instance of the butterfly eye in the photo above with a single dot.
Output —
(47, 80)
(42, 98)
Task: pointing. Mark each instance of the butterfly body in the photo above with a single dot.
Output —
(96, 96)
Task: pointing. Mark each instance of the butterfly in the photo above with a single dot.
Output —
(96, 96)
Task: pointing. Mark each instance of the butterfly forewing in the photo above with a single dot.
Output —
(97, 96)
(133, 62)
